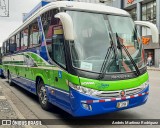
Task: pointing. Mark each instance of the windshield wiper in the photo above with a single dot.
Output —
(106, 59)
(120, 46)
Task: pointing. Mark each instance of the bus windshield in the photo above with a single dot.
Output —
(97, 40)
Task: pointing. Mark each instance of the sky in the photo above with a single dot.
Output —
(16, 9)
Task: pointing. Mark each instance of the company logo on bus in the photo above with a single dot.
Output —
(122, 93)
(122, 76)
(130, 1)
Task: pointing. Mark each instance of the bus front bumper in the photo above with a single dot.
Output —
(84, 105)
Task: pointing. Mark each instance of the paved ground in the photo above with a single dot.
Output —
(23, 105)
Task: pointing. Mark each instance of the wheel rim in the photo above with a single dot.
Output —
(43, 95)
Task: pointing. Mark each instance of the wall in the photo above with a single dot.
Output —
(157, 58)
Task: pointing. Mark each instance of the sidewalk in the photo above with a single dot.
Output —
(11, 108)
(8, 110)
(153, 68)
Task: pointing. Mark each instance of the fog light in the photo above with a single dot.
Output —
(87, 106)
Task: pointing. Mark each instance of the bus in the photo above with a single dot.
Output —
(1, 70)
(85, 58)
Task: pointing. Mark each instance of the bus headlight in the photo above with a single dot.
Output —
(84, 90)
(145, 84)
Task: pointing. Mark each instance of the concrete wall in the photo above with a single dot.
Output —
(157, 57)
(151, 45)
(117, 3)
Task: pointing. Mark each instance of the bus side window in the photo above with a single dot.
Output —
(48, 21)
(58, 51)
(34, 34)
(7, 46)
(25, 34)
(18, 42)
(4, 48)
(12, 44)
(24, 39)
(58, 44)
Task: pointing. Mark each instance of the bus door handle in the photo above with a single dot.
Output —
(56, 79)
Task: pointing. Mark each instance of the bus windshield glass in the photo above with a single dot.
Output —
(98, 40)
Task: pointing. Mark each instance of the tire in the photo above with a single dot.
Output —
(10, 79)
(42, 96)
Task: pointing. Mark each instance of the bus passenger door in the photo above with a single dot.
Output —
(54, 36)
(60, 75)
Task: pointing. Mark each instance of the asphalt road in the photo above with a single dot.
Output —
(28, 105)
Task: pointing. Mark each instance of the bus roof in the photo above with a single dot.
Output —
(89, 7)
(93, 7)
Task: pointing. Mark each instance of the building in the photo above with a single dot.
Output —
(145, 10)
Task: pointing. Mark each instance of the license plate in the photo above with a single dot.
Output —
(122, 104)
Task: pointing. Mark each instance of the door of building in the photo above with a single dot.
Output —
(150, 52)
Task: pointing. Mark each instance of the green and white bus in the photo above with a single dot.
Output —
(85, 58)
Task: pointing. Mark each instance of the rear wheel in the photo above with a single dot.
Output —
(42, 95)
(10, 79)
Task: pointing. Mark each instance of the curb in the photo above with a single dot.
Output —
(15, 102)
(153, 69)
(18, 113)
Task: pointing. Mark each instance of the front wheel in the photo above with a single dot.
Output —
(42, 95)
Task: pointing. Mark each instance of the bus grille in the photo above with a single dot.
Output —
(116, 94)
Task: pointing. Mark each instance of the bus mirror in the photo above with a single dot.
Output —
(153, 28)
(67, 25)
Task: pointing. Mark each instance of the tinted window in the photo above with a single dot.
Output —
(4, 48)
(18, 41)
(25, 43)
(58, 51)
(24, 39)
(7, 46)
(49, 21)
(12, 44)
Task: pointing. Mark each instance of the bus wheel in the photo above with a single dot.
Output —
(10, 79)
(42, 95)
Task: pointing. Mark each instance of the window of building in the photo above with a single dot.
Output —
(18, 41)
(149, 12)
(154, 12)
(133, 13)
(34, 34)
(144, 14)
